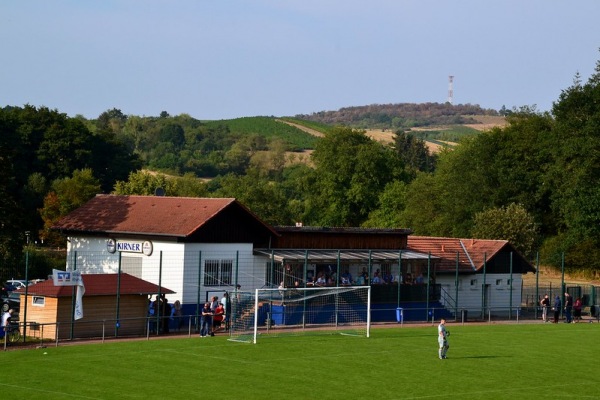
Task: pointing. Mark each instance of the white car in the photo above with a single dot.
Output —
(16, 283)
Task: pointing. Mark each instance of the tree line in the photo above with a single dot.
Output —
(401, 115)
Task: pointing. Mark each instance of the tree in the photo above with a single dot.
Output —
(67, 194)
(512, 223)
(392, 202)
(413, 152)
(11, 211)
(576, 171)
(423, 212)
(265, 198)
(144, 183)
(351, 171)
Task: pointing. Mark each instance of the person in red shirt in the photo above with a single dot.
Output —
(218, 318)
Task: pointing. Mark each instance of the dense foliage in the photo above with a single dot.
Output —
(40, 151)
(400, 116)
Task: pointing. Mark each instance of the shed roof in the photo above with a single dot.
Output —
(98, 285)
(147, 215)
(472, 253)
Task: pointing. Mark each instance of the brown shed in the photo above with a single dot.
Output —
(51, 307)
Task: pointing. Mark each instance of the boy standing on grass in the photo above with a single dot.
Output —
(443, 339)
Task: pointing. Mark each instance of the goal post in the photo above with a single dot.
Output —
(341, 310)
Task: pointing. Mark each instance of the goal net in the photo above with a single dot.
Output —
(300, 311)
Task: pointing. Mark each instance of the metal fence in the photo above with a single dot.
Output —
(197, 276)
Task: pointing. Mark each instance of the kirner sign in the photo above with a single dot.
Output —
(125, 246)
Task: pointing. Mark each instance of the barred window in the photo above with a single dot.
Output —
(218, 272)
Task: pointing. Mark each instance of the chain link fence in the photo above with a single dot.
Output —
(190, 279)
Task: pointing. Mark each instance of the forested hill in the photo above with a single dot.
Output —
(402, 115)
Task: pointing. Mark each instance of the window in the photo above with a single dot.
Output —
(498, 282)
(39, 301)
(218, 272)
(473, 282)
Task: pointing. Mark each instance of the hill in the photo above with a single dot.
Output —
(401, 116)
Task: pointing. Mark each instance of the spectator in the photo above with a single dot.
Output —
(364, 275)
(577, 310)
(377, 279)
(165, 313)
(321, 281)
(388, 278)
(557, 307)
(218, 319)
(176, 315)
(227, 307)
(281, 289)
(5, 322)
(420, 279)
(206, 320)
(346, 278)
(545, 303)
(568, 308)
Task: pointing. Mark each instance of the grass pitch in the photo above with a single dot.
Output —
(526, 361)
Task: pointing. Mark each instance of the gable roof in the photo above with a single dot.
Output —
(472, 254)
(98, 285)
(148, 215)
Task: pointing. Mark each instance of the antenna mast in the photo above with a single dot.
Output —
(450, 89)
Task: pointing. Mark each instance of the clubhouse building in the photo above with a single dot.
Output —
(201, 247)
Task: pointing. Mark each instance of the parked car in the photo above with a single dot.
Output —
(14, 284)
(10, 300)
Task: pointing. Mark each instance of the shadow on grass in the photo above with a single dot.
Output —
(479, 357)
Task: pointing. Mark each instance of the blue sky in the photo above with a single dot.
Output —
(219, 59)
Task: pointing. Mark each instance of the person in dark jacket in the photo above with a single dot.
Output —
(568, 308)
(557, 307)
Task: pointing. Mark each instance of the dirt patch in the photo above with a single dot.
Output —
(554, 276)
(302, 128)
(381, 135)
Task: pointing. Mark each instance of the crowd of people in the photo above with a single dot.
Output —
(571, 310)
(164, 317)
(329, 278)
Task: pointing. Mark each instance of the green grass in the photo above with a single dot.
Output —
(525, 361)
(452, 133)
(270, 128)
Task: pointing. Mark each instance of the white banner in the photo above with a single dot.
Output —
(71, 278)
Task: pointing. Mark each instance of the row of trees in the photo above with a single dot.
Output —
(400, 116)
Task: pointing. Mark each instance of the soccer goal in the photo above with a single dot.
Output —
(300, 311)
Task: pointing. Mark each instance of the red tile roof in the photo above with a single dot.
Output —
(149, 215)
(471, 252)
(97, 285)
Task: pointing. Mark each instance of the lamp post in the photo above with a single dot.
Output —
(27, 234)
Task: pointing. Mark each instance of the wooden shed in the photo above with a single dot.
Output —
(50, 308)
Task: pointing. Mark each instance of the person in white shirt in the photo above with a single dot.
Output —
(443, 339)
(5, 322)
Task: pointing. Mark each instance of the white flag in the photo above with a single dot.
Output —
(71, 278)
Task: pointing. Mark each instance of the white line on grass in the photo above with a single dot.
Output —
(77, 396)
(505, 390)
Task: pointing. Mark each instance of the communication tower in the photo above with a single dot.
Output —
(450, 89)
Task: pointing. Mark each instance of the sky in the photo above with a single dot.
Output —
(222, 59)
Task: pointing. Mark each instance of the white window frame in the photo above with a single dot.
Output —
(35, 301)
(218, 272)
